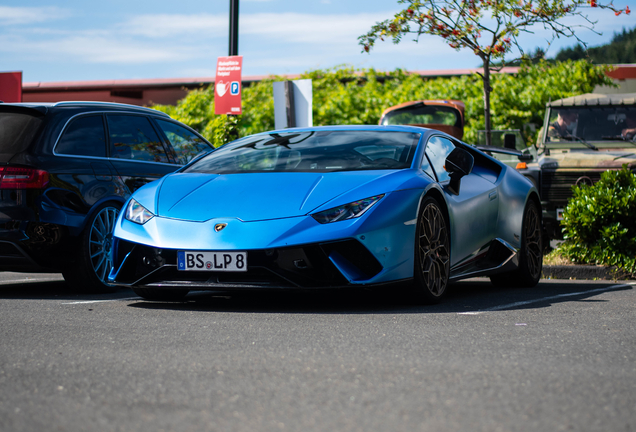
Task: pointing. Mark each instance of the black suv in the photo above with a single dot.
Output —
(65, 171)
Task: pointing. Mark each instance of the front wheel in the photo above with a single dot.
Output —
(432, 253)
(92, 260)
(530, 254)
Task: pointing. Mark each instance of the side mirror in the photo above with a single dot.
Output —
(458, 164)
(525, 157)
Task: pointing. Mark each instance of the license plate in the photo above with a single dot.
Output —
(212, 261)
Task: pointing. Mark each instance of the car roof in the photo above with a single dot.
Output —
(45, 106)
(458, 105)
(592, 99)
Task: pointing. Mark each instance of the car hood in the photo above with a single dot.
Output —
(252, 197)
(583, 158)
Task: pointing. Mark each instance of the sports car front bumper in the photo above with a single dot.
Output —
(325, 265)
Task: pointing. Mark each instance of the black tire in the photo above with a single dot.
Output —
(161, 294)
(530, 254)
(432, 253)
(92, 262)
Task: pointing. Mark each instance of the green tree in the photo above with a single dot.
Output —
(489, 28)
(622, 49)
(197, 111)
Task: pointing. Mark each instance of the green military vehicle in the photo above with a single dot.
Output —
(582, 137)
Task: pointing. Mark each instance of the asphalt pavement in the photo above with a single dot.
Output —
(560, 356)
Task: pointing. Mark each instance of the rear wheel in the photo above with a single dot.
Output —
(432, 253)
(530, 254)
(93, 261)
(161, 294)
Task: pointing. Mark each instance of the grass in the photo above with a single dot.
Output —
(555, 258)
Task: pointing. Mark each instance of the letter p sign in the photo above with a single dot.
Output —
(235, 88)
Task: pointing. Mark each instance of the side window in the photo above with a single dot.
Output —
(186, 144)
(437, 150)
(84, 136)
(132, 137)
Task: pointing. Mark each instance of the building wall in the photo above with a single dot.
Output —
(624, 76)
(145, 97)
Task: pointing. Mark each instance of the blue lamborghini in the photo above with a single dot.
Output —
(331, 207)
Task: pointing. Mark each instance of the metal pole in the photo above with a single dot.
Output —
(234, 26)
(232, 131)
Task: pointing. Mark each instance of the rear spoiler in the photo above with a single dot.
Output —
(34, 110)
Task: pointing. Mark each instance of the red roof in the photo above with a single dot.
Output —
(621, 71)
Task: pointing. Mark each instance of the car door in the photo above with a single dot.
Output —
(81, 173)
(473, 211)
(136, 150)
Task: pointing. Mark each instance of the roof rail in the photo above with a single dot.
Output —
(110, 104)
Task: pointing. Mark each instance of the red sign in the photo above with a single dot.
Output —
(11, 86)
(227, 85)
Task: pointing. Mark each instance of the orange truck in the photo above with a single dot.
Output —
(444, 115)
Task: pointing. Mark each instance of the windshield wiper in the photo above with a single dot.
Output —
(582, 141)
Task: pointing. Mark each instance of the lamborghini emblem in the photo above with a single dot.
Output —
(219, 227)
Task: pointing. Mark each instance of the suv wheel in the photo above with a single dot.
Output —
(93, 260)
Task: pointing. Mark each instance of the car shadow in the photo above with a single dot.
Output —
(470, 296)
(55, 290)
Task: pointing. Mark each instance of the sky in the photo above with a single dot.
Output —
(86, 40)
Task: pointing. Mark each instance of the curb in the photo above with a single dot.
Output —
(584, 272)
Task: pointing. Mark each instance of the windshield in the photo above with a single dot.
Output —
(314, 151)
(16, 132)
(601, 124)
(423, 114)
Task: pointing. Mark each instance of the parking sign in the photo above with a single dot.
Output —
(227, 85)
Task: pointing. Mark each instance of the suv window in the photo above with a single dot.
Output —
(597, 123)
(133, 137)
(84, 136)
(437, 150)
(187, 145)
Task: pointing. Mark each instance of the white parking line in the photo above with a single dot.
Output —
(543, 299)
(101, 301)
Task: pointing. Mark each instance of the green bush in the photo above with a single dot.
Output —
(599, 222)
(344, 95)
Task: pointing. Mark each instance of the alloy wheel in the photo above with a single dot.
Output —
(100, 241)
(534, 247)
(434, 256)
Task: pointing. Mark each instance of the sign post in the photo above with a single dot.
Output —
(227, 85)
(234, 24)
(293, 104)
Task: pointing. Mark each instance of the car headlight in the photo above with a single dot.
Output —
(137, 213)
(347, 211)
